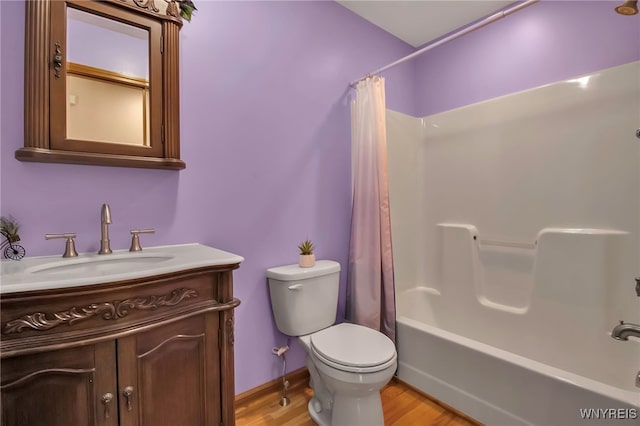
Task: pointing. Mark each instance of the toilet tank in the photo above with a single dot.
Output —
(304, 300)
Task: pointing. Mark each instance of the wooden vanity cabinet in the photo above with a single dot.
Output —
(155, 352)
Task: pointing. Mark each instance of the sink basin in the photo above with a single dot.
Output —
(48, 272)
(112, 263)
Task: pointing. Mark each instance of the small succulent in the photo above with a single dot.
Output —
(9, 226)
(186, 9)
(306, 247)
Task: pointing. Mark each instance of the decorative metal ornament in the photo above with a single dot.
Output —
(9, 229)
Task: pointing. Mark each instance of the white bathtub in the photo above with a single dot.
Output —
(516, 241)
(499, 387)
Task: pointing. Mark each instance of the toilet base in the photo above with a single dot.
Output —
(322, 418)
(352, 411)
(349, 411)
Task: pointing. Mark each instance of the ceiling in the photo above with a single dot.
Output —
(419, 21)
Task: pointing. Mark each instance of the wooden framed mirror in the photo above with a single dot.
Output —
(102, 83)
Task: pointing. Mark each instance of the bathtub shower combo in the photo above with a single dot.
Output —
(516, 234)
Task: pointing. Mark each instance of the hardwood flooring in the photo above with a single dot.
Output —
(402, 406)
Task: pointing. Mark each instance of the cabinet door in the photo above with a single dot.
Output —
(171, 374)
(61, 388)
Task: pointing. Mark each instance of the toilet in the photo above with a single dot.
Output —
(348, 363)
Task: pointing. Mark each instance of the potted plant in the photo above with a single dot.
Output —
(307, 258)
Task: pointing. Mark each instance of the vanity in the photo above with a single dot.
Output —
(130, 338)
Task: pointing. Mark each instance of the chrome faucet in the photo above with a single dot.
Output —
(622, 331)
(105, 220)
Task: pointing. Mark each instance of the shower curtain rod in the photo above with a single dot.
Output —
(488, 20)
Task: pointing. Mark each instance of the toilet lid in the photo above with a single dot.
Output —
(352, 345)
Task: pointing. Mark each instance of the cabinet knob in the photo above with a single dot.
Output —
(128, 393)
(106, 401)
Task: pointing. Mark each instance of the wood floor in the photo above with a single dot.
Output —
(402, 405)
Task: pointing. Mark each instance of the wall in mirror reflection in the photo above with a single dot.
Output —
(107, 80)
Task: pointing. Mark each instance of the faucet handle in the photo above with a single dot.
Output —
(70, 248)
(135, 239)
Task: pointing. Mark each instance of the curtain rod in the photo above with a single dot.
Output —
(459, 33)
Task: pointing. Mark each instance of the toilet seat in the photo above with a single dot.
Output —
(353, 348)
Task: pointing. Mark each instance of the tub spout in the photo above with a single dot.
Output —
(622, 331)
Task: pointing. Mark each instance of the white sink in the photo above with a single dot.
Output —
(47, 272)
(87, 265)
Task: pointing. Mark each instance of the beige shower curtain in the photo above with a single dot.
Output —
(370, 294)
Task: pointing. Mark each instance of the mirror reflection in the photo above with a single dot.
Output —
(107, 80)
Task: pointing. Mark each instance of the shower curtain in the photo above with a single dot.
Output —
(370, 294)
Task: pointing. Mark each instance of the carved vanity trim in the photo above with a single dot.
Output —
(109, 310)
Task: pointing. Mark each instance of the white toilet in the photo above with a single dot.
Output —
(348, 363)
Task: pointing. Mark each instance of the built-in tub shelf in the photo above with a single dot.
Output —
(526, 244)
(511, 275)
(499, 243)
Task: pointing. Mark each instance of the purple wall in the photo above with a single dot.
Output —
(547, 42)
(266, 137)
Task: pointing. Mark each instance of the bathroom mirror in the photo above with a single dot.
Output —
(101, 83)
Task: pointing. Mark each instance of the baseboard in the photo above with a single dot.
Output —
(438, 402)
(296, 377)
